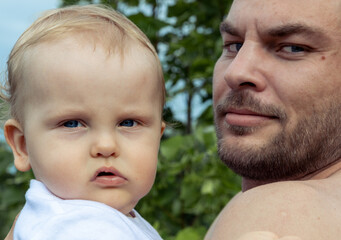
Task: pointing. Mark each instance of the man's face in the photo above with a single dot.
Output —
(276, 86)
(92, 121)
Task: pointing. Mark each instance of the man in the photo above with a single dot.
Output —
(277, 105)
(277, 111)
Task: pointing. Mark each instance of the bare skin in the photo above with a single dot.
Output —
(265, 236)
(306, 209)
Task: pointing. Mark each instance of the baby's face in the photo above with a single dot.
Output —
(93, 121)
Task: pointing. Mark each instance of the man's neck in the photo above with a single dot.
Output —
(323, 173)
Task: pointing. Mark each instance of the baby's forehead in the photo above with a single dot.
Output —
(85, 43)
(111, 41)
(53, 64)
(123, 52)
(72, 54)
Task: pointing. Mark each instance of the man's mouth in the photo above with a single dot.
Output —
(247, 112)
(246, 118)
(243, 109)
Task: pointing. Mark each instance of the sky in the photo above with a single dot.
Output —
(15, 17)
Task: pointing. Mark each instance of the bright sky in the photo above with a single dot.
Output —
(15, 17)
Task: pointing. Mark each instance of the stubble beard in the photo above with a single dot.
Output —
(314, 142)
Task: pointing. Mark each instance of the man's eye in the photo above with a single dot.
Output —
(128, 123)
(233, 47)
(293, 49)
(73, 124)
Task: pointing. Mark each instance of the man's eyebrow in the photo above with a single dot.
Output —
(297, 28)
(279, 31)
(226, 27)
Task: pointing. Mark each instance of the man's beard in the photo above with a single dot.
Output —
(314, 142)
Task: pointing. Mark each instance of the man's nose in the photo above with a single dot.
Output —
(247, 70)
(104, 145)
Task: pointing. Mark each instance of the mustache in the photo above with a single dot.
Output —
(245, 99)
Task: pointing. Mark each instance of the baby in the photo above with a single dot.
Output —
(86, 93)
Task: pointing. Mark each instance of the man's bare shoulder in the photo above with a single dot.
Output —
(307, 209)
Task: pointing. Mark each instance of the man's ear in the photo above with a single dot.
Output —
(15, 138)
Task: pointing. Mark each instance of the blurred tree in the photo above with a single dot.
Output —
(193, 46)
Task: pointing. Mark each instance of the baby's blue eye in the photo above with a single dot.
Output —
(128, 123)
(72, 124)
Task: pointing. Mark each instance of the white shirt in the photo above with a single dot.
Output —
(45, 216)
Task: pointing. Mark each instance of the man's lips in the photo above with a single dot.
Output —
(246, 118)
(109, 177)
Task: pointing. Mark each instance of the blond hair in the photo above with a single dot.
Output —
(98, 21)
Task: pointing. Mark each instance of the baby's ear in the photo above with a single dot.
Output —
(15, 138)
(163, 127)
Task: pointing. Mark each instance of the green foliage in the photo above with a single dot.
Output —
(193, 46)
(191, 233)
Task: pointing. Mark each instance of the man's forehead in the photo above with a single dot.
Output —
(276, 17)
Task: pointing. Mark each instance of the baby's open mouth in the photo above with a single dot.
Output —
(100, 174)
(109, 177)
(108, 173)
